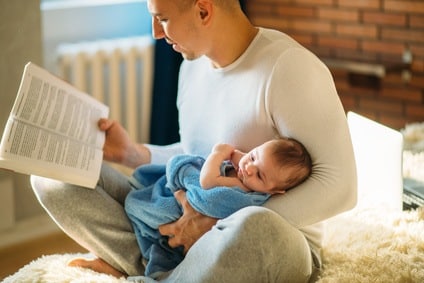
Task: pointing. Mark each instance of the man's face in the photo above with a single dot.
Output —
(178, 27)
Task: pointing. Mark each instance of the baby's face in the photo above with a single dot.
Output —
(257, 169)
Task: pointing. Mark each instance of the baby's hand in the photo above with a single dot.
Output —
(223, 149)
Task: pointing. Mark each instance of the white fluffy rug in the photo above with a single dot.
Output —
(360, 246)
(371, 246)
(53, 268)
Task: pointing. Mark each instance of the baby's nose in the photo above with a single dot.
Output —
(250, 169)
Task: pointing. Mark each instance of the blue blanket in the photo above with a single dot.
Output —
(152, 204)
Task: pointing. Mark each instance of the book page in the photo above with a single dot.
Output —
(52, 130)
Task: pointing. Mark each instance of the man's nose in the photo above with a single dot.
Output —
(157, 29)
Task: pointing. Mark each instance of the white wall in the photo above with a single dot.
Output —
(74, 21)
(20, 42)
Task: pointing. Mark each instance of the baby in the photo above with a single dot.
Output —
(273, 167)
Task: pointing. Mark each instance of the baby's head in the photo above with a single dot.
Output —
(292, 160)
(275, 166)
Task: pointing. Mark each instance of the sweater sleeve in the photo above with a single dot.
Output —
(303, 103)
(161, 154)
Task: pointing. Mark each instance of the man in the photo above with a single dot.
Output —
(242, 85)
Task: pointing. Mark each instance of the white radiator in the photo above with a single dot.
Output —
(118, 72)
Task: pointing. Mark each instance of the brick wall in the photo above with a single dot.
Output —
(375, 32)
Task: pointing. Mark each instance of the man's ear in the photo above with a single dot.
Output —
(205, 9)
(203, 14)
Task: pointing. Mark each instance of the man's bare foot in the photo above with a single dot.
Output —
(97, 265)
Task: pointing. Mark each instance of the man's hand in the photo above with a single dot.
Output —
(117, 140)
(189, 228)
(119, 148)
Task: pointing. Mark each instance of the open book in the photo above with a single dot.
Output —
(52, 130)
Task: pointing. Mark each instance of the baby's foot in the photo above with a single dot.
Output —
(97, 265)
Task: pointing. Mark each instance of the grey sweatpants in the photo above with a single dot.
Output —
(252, 245)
